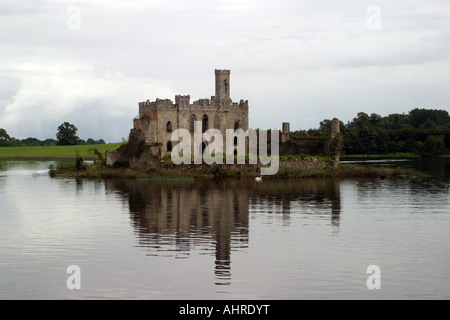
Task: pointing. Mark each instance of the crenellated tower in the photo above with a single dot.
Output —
(222, 85)
(182, 101)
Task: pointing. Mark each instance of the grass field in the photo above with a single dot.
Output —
(55, 151)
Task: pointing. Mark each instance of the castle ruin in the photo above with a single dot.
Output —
(158, 119)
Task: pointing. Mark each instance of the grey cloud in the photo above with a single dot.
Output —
(304, 59)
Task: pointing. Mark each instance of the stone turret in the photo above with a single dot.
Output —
(336, 142)
(335, 127)
(285, 132)
(222, 85)
(182, 101)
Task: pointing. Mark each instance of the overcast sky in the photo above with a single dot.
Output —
(91, 62)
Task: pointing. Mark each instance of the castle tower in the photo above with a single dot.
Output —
(285, 133)
(336, 142)
(335, 127)
(222, 85)
(182, 101)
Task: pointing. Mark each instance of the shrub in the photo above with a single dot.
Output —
(79, 163)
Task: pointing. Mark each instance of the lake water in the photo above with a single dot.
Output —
(232, 239)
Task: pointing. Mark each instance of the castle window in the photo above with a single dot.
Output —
(169, 126)
(217, 122)
(191, 123)
(236, 125)
(205, 124)
(169, 146)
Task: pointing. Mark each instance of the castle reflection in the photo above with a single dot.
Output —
(176, 218)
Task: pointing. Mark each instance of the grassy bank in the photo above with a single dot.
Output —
(55, 151)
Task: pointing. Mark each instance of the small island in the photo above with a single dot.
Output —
(312, 153)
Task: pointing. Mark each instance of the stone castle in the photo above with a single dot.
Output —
(158, 119)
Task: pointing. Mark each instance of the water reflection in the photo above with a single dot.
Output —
(305, 196)
(438, 168)
(178, 219)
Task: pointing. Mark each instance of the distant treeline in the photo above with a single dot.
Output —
(66, 136)
(422, 131)
(33, 142)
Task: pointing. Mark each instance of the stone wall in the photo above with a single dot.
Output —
(137, 153)
(315, 146)
(328, 146)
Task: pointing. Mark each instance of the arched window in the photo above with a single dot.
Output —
(169, 146)
(236, 125)
(217, 122)
(169, 126)
(191, 123)
(205, 124)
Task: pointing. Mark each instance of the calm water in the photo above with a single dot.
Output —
(235, 239)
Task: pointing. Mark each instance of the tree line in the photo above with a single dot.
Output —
(66, 135)
(423, 132)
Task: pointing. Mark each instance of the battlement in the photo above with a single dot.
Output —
(152, 106)
(202, 102)
(179, 97)
(182, 101)
(243, 103)
(164, 101)
(146, 106)
(145, 103)
(219, 71)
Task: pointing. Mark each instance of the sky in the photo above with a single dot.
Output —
(91, 62)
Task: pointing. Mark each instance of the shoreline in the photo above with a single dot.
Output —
(309, 167)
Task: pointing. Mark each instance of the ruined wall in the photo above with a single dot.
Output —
(328, 146)
(137, 153)
(314, 146)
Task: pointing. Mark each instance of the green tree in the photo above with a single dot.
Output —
(433, 146)
(67, 134)
(49, 142)
(4, 137)
(429, 125)
(420, 116)
(325, 126)
(375, 118)
(31, 142)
